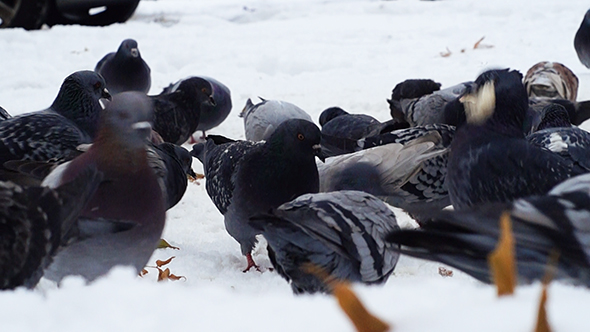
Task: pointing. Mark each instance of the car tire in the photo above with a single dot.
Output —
(112, 14)
(28, 14)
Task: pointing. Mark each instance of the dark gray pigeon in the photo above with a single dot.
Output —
(541, 225)
(172, 165)
(123, 222)
(56, 132)
(338, 125)
(4, 114)
(429, 106)
(582, 40)
(125, 70)
(177, 110)
(490, 159)
(556, 133)
(244, 178)
(341, 232)
(213, 115)
(262, 119)
(33, 223)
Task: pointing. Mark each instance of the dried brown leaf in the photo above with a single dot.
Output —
(160, 263)
(445, 272)
(446, 54)
(163, 274)
(175, 277)
(479, 45)
(542, 324)
(143, 272)
(501, 261)
(352, 306)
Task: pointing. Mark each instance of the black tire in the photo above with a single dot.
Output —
(28, 14)
(112, 14)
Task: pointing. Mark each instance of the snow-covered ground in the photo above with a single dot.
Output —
(315, 54)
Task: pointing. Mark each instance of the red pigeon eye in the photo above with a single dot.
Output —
(300, 137)
(97, 85)
(204, 90)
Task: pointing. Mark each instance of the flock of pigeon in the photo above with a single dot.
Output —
(86, 182)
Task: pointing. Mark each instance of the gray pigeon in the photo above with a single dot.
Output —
(56, 132)
(405, 168)
(341, 232)
(244, 178)
(125, 70)
(262, 119)
(123, 222)
(558, 222)
(4, 114)
(429, 107)
(33, 223)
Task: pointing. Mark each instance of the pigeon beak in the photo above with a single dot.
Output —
(144, 128)
(106, 94)
(134, 52)
(212, 101)
(317, 151)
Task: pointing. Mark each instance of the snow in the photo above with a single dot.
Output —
(315, 54)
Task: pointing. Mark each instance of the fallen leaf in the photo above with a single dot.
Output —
(160, 263)
(352, 306)
(143, 272)
(501, 261)
(175, 277)
(163, 244)
(445, 272)
(542, 322)
(478, 44)
(163, 274)
(446, 54)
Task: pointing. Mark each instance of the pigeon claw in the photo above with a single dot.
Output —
(251, 264)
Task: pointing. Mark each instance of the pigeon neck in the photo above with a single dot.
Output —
(117, 155)
(77, 106)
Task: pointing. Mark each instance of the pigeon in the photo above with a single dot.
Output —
(556, 133)
(213, 115)
(123, 221)
(551, 80)
(340, 232)
(421, 102)
(582, 41)
(262, 119)
(338, 125)
(172, 165)
(34, 221)
(125, 70)
(177, 110)
(408, 175)
(490, 160)
(4, 114)
(56, 132)
(244, 178)
(558, 221)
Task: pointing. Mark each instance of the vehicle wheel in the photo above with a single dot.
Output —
(111, 14)
(28, 14)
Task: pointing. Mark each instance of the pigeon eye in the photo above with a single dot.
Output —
(97, 85)
(205, 91)
(300, 137)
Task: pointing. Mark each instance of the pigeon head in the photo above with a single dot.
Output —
(497, 98)
(78, 99)
(127, 119)
(297, 137)
(552, 116)
(195, 86)
(330, 113)
(128, 49)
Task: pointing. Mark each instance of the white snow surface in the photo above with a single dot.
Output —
(315, 54)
